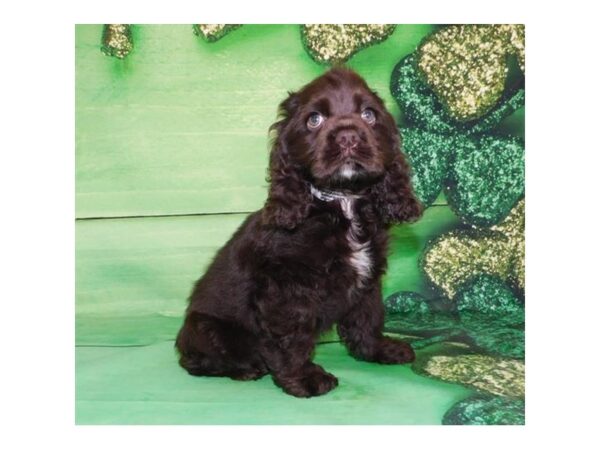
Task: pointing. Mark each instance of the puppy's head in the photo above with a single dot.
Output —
(336, 133)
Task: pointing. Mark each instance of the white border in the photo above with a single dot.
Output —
(38, 233)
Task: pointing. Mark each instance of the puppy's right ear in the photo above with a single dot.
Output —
(289, 106)
(289, 194)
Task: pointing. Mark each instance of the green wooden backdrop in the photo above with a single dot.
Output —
(171, 153)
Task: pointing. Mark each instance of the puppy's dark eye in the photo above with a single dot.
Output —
(314, 120)
(368, 115)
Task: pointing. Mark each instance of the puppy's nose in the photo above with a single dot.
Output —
(347, 139)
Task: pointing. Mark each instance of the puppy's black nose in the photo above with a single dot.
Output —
(347, 139)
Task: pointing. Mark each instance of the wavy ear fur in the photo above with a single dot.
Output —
(289, 194)
(393, 197)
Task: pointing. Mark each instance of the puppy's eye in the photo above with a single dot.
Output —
(368, 115)
(314, 120)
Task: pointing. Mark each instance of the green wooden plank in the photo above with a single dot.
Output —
(133, 275)
(180, 125)
(146, 386)
(135, 329)
(125, 330)
(143, 266)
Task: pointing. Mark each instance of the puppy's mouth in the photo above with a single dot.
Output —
(350, 175)
(349, 169)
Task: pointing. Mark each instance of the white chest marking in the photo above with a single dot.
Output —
(360, 257)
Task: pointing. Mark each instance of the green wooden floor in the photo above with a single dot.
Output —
(171, 153)
(144, 385)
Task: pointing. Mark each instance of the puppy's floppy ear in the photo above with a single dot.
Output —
(289, 194)
(393, 196)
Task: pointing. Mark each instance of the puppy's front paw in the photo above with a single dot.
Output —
(309, 382)
(392, 351)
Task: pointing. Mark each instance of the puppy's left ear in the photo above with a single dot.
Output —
(393, 197)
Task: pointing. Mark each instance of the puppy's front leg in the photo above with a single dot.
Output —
(287, 348)
(361, 330)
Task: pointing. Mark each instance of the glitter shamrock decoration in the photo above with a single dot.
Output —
(423, 109)
(466, 65)
(481, 409)
(329, 44)
(492, 315)
(455, 257)
(482, 176)
(117, 40)
(213, 32)
(481, 173)
(480, 274)
(485, 315)
(421, 321)
(486, 374)
(487, 294)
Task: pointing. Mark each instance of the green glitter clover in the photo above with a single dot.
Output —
(486, 294)
(483, 409)
(486, 315)
(482, 174)
(479, 342)
(422, 108)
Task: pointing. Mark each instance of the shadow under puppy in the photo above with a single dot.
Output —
(315, 253)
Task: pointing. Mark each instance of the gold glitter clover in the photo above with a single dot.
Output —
(459, 255)
(466, 65)
(329, 44)
(117, 40)
(213, 32)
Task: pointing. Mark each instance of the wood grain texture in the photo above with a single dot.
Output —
(146, 386)
(180, 125)
(149, 265)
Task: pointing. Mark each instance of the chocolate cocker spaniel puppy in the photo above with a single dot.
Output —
(314, 255)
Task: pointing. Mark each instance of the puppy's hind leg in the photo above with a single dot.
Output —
(212, 347)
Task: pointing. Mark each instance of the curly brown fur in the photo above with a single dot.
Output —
(304, 263)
